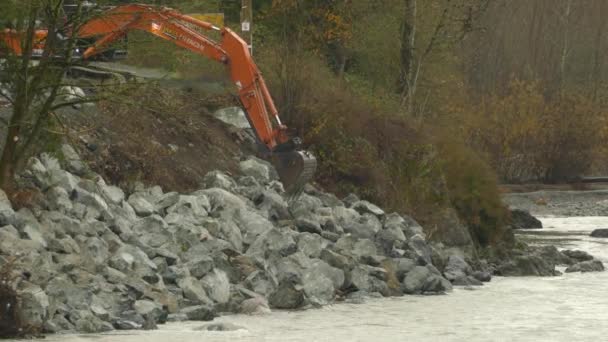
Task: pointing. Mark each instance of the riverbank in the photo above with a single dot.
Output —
(560, 203)
(91, 257)
(567, 308)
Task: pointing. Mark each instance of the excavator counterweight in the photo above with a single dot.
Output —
(294, 165)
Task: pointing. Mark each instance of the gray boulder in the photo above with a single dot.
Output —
(218, 179)
(600, 233)
(199, 312)
(72, 160)
(149, 310)
(586, 266)
(415, 280)
(527, 265)
(260, 170)
(194, 291)
(34, 305)
(456, 268)
(217, 285)
(255, 306)
(273, 241)
(577, 255)
(141, 206)
(522, 219)
(288, 295)
(365, 207)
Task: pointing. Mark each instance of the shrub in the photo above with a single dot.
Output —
(529, 137)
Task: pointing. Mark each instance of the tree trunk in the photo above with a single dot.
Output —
(408, 42)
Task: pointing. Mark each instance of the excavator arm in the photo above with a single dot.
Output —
(295, 166)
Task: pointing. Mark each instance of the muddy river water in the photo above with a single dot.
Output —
(573, 307)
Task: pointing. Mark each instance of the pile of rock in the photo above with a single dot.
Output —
(542, 261)
(95, 259)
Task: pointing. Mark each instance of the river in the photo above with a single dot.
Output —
(573, 307)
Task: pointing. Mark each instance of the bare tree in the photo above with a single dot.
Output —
(34, 87)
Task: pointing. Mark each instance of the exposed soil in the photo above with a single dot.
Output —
(164, 136)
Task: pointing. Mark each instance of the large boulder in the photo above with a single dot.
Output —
(600, 233)
(522, 219)
(577, 255)
(274, 241)
(456, 268)
(586, 266)
(217, 286)
(414, 281)
(262, 171)
(288, 295)
(527, 265)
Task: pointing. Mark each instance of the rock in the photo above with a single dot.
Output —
(361, 226)
(552, 255)
(578, 255)
(227, 230)
(258, 169)
(273, 205)
(273, 241)
(6, 209)
(350, 199)
(522, 219)
(141, 206)
(34, 305)
(217, 286)
(482, 276)
(221, 327)
(218, 179)
(252, 225)
(199, 266)
(255, 306)
(72, 160)
(194, 291)
(336, 260)
(527, 265)
(390, 237)
(403, 267)
(600, 233)
(305, 205)
(436, 285)
(456, 268)
(153, 231)
(365, 207)
(418, 245)
(586, 266)
(149, 310)
(58, 200)
(288, 295)
(308, 225)
(311, 244)
(189, 208)
(319, 289)
(414, 281)
(233, 116)
(113, 194)
(199, 313)
(467, 281)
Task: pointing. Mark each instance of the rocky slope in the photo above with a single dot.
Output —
(91, 258)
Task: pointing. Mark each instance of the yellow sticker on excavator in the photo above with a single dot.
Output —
(216, 19)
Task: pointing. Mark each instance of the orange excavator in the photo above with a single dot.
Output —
(294, 165)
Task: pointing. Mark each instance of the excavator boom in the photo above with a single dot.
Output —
(295, 166)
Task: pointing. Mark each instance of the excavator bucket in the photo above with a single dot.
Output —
(295, 169)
